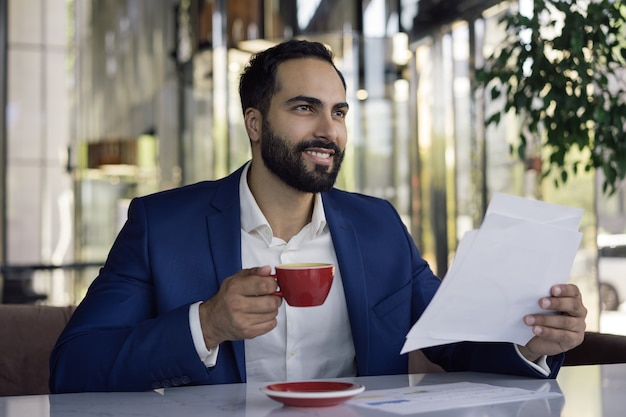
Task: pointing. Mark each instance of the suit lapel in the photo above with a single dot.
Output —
(349, 257)
(224, 230)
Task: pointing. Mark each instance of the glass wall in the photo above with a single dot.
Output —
(168, 76)
(462, 164)
(37, 198)
(124, 131)
(377, 86)
(154, 105)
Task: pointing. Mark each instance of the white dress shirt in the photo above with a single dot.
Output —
(308, 342)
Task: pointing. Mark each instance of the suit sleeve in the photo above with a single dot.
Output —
(488, 357)
(118, 339)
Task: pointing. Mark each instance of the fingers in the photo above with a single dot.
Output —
(245, 292)
(562, 330)
(542, 324)
(555, 334)
(252, 282)
(565, 299)
(552, 341)
(243, 308)
(566, 290)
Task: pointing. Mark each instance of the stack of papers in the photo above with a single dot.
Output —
(499, 274)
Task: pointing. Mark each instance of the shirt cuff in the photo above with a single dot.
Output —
(540, 365)
(207, 356)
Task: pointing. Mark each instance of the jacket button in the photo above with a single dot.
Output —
(166, 383)
(176, 381)
(185, 379)
(156, 385)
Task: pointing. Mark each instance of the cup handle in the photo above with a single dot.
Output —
(278, 292)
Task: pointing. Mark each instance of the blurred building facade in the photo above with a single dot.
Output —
(106, 100)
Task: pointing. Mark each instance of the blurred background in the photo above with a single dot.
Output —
(106, 100)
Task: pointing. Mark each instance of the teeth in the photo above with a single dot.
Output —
(319, 154)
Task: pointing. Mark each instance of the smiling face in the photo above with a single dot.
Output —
(289, 162)
(303, 135)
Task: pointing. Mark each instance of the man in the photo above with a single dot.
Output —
(186, 295)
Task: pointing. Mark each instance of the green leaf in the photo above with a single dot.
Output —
(573, 95)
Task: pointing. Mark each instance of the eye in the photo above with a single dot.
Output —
(340, 113)
(304, 107)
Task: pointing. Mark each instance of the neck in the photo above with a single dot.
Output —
(286, 209)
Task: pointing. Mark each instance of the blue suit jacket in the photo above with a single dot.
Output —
(131, 331)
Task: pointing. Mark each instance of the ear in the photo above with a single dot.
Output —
(253, 121)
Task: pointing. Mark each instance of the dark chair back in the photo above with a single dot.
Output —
(598, 349)
(27, 335)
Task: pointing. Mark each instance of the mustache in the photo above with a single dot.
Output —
(317, 143)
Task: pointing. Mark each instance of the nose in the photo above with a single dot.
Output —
(328, 127)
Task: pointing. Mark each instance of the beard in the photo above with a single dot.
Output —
(288, 164)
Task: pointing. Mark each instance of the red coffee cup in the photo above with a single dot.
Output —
(304, 284)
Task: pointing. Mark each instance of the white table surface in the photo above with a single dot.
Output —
(588, 391)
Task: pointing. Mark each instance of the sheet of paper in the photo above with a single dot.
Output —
(499, 273)
(428, 398)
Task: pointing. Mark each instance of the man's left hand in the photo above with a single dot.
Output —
(556, 333)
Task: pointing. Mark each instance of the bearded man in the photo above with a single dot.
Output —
(187, 297)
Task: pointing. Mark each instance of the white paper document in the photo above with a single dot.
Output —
(428, 398)
(499, 273)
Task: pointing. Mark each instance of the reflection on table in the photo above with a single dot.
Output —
(597, 391)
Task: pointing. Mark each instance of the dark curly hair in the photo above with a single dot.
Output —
(257, 84)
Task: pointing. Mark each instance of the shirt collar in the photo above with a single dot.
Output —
(252, 217)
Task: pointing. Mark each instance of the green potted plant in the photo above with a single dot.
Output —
(562, 70)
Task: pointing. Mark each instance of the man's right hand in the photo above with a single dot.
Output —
(243, 308)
